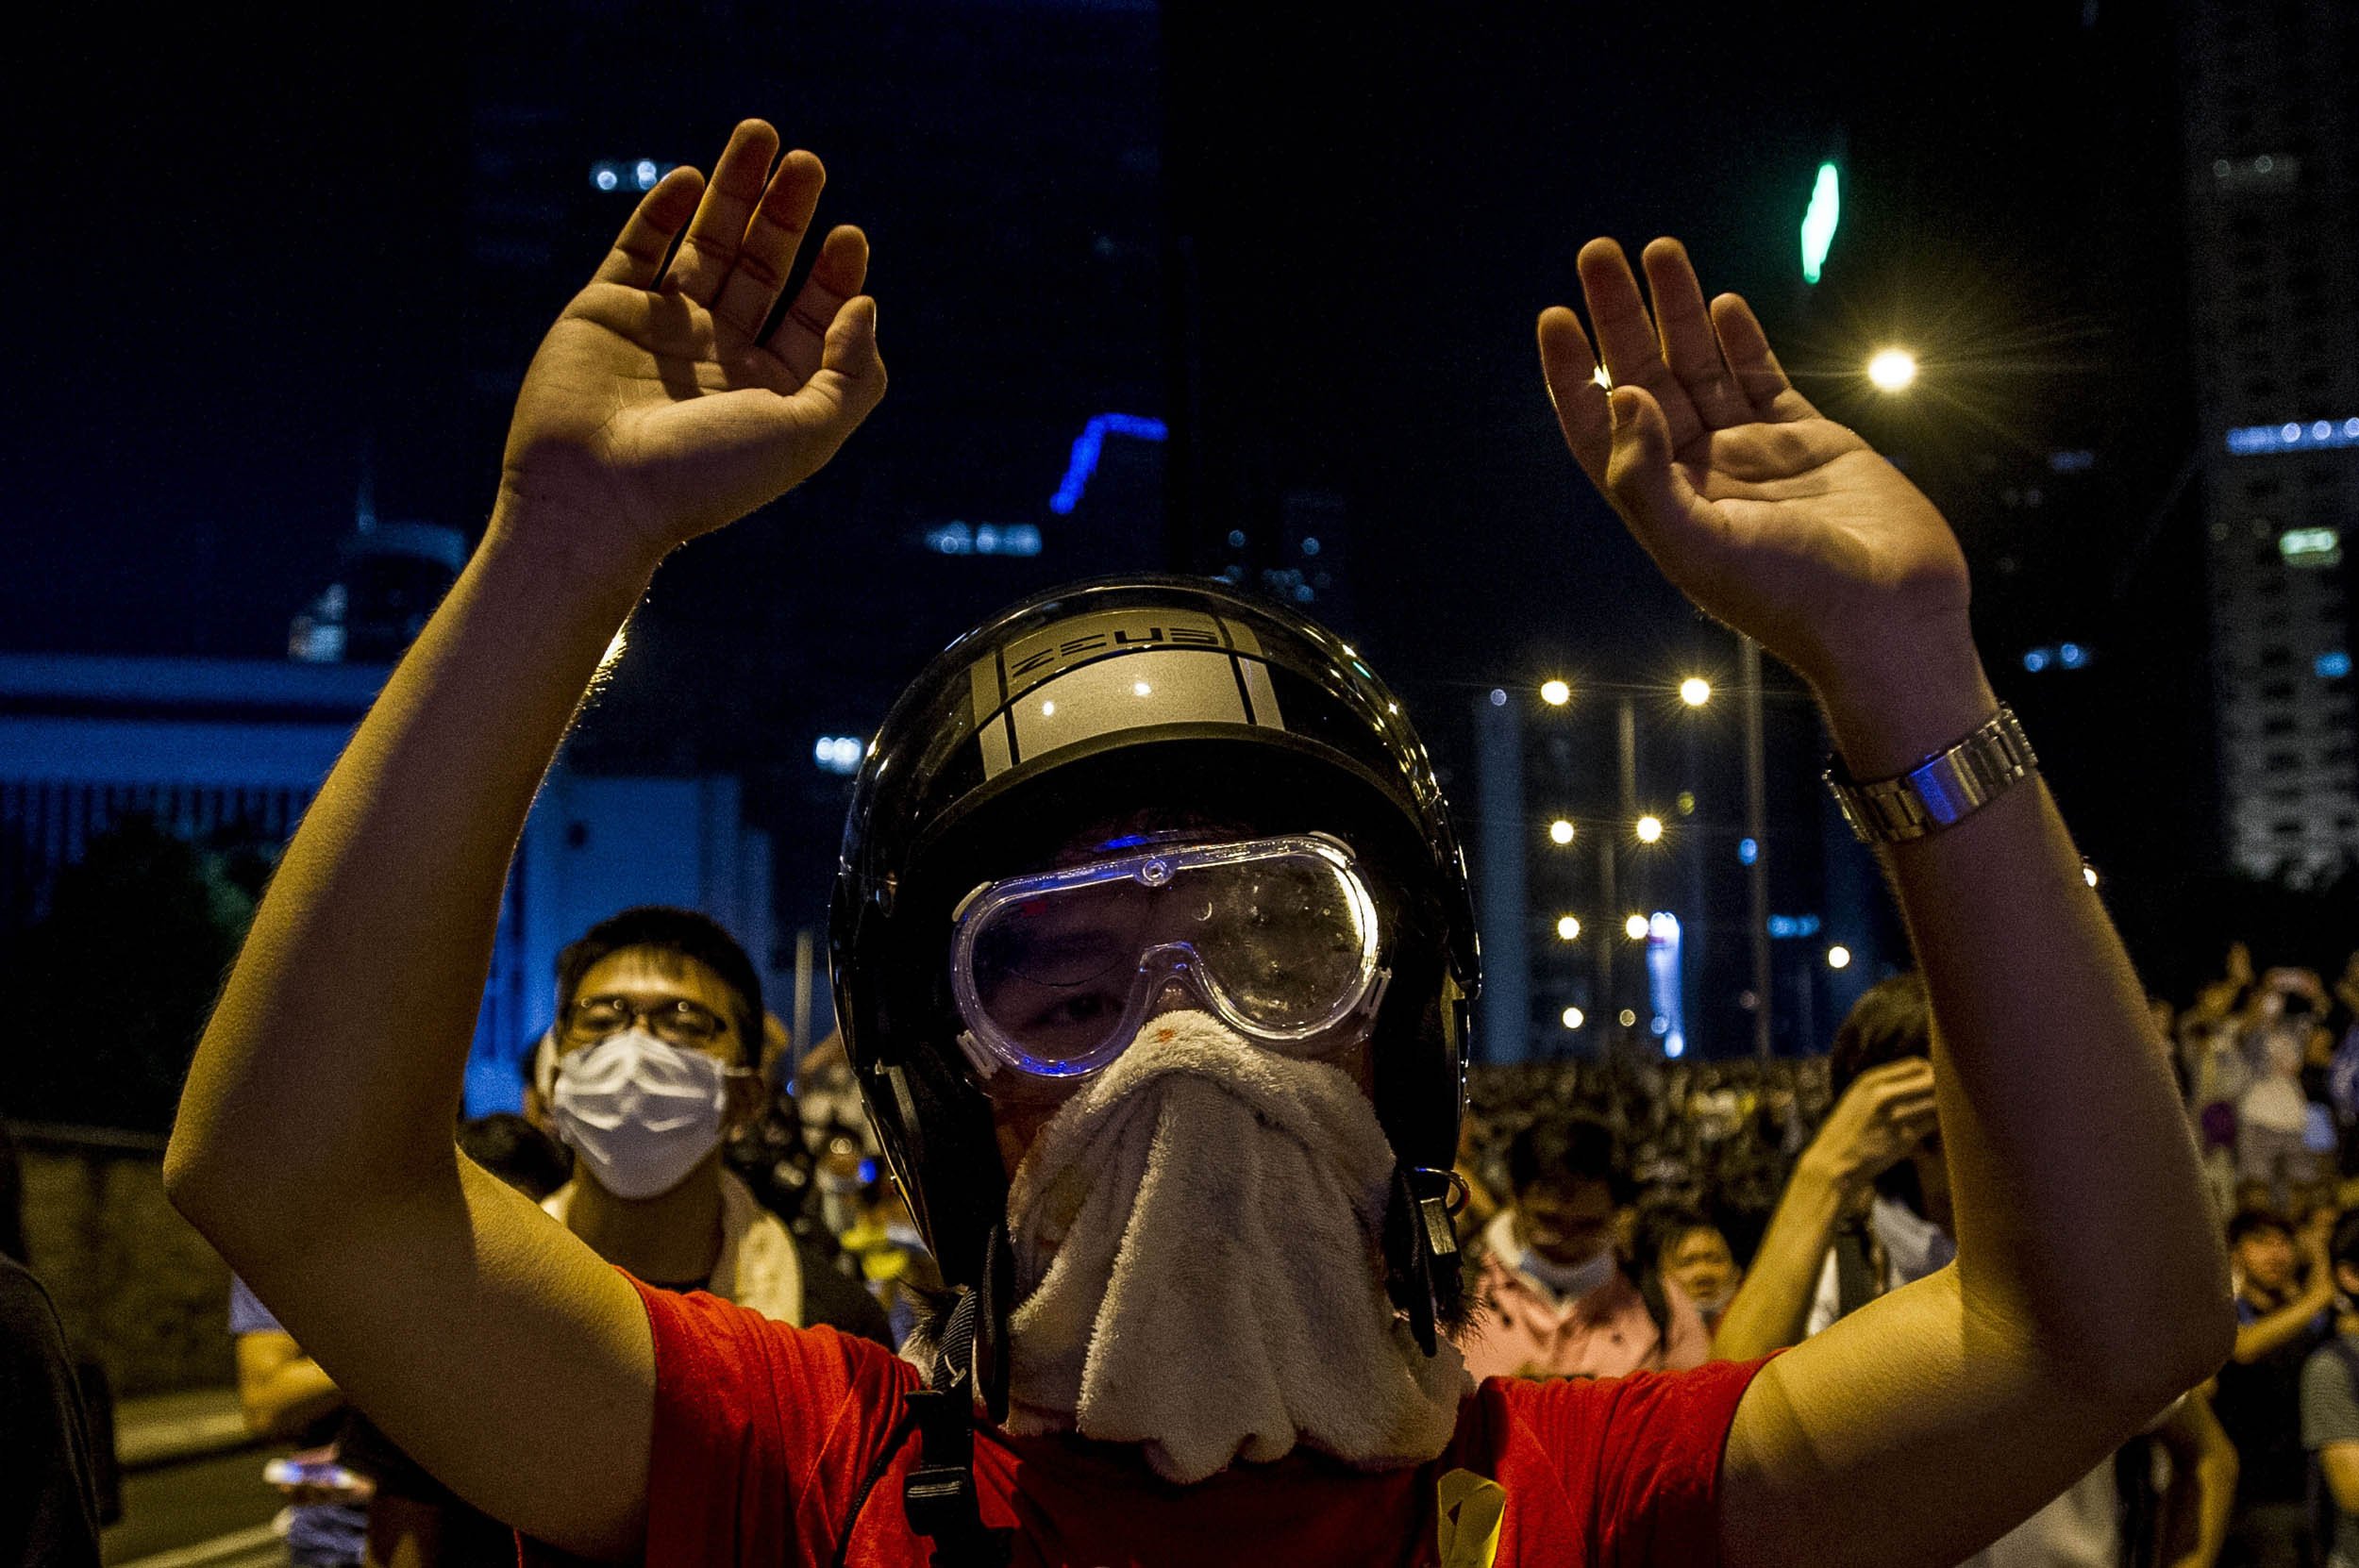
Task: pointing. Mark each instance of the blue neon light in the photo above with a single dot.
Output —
(1785, 928)
(1089, 443)
(1748, 851)
(2293, 436)
(2036, 659)
(983, 538)
(2333, 666)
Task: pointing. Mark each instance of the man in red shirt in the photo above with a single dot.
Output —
(1140, 1063)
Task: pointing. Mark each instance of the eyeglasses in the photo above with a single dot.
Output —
(676, 1021)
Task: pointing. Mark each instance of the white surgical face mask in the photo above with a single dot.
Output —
(641, 1114)
(1572, 1281)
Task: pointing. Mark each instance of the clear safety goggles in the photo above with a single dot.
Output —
(1055, 974)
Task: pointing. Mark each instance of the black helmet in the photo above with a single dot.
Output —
(1107, 700)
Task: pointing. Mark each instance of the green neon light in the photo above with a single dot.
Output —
(1826, 206)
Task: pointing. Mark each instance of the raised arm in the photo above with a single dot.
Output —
(1874, 1126)
(2090, 1287)
(313, 1144)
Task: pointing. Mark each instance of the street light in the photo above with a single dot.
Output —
(1635, 927)
(1568, 928)
(1555, 693)
(1892, 370)
(1560, 831)
(1649, 830)
(1694, 690)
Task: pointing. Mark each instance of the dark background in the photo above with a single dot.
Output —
(262, 263)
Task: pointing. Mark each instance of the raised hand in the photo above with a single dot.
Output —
(1772, 518)
(656, 408)
(1881, 1119)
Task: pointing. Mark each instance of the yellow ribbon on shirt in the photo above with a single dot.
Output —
(1472, 1506)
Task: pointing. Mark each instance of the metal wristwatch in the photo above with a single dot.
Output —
(1946, 788)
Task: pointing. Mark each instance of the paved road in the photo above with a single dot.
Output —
(177, 1507)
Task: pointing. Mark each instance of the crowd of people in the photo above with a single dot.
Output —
(1620, 1215)
(1153, 952)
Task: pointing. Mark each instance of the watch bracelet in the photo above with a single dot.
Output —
(1942, 790)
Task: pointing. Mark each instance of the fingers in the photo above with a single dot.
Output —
(1644, 482)
(766, 253)
(1572, 373)
(850, 356)
(1625, 336)
(1757, 372)
(718, 230)
(646, 238)
(836, 277)
(1689, 345)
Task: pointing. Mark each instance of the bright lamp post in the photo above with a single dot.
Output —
(1892, 370)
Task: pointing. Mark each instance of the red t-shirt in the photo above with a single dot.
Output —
(764, 1434)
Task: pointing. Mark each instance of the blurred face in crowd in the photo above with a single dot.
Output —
(1566, 1223)
(2265, 1260)
(1699, 1262)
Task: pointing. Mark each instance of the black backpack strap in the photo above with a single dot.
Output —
(940, 1499)
(940, 1496)
(1855, 1281)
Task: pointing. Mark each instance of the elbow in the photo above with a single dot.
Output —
(185, 1182)
(2146, 1372)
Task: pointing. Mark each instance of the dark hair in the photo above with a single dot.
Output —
(683, 933)
(517, 1152)
(2245, 1222)
(1663, 1227)
(1891, 1021)
(1561, 1148)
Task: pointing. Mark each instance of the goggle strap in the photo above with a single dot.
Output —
(979, 1055)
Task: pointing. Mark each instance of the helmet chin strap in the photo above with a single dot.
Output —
(1421, 1255)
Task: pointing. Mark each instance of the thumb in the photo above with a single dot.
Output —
(849, 353)
(1645, 484)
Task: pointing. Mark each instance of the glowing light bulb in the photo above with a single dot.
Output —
(1649, 830)
(1635, 927)
(1838, 957)
(1556, 693)
(1568, 928)
(1574, 1018)
(1694, 690)
(1892, 370)
(1560, 831)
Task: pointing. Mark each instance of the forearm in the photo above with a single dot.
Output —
(2061, 1121)
(289, 1398)
(2256, 1339)
(2214, 1503)
(1772, 1307)
(331, 1068)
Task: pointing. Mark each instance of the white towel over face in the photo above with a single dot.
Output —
(1197, 1268)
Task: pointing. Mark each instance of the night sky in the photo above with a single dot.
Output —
(251, 268)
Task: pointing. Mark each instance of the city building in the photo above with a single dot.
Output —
(229, 753)
(2273, 236)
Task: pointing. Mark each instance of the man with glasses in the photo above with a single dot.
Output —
(655, 1059)
(1127, 1213)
